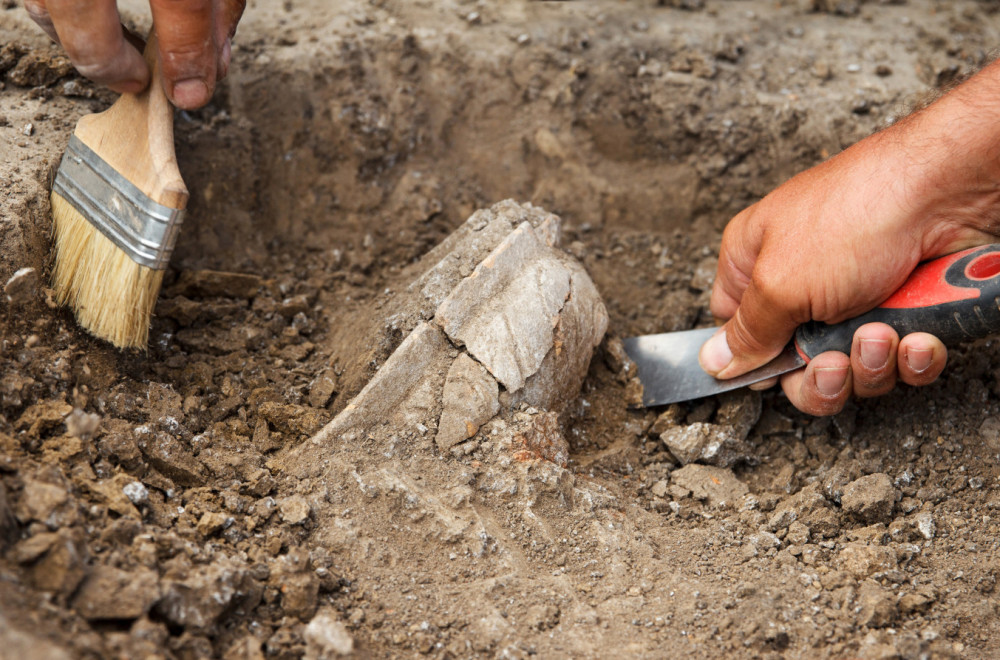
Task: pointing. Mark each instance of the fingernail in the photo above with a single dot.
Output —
(830, 380)
(874, 353)
(190, 93)
(715, 354)
(919, 359)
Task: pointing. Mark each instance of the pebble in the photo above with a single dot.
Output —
(294, 509)
(870, 498)
(136, 492)
(326, 637)
(22, 286)
(925, 525)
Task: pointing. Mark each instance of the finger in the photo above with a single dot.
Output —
(228, 13)
(764, 384)
(823, 387)
(922, 358)
(91, 33)
(758, 331)
(737, 255)
(188, 50)
(873, 359)
(39, 13)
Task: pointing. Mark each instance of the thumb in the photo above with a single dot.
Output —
(757, 332)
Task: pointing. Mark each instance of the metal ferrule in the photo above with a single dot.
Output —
(145, 230)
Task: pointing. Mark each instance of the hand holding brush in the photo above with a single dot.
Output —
(117, 204)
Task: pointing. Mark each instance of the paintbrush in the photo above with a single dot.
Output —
(117, 204)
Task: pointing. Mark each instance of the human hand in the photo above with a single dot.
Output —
(838, 239)
(195, 41)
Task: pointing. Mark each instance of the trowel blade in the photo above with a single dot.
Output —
(669, 370)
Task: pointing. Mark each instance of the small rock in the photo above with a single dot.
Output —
(136, 492)
(40, 501)
(110, 593)
(917, 603)
(659, 488)
(470, 400)
(719, 486)
(326, 637)
(294, 509)
(82, 425)
(861, 560)
(60, 566)
(878, 605)
(22, 287)
(211, 522)
(989, 431)
(704, 274)
(925, 525)
(322, 388)
(808, 507)
(668, 419)
(870, 498)
(706, 443)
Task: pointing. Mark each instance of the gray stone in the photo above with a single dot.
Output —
(870, 498)
(470, 400)
(718, 486)
(705, 443)
(505, 312)
(578, 331)
(524, 310)
(326, 637)
(110, 593)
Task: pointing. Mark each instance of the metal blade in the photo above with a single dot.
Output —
(669, 370)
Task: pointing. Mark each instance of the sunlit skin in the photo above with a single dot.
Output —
(195, 43)
(837, 239)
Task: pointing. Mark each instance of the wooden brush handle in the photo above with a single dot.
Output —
(136, 137)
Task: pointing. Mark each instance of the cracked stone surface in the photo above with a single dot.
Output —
(470, 400)
(525, 317)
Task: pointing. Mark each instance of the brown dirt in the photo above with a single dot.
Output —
(150, 505)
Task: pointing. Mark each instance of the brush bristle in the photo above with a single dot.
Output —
(112, 296)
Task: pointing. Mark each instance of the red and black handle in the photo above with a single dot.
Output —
(955, 297)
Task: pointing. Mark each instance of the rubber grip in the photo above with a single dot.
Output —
(955, 297)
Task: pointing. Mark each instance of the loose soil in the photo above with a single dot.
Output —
(155, 505)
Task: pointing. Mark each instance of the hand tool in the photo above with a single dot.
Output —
(955, 297)
(117, 204)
